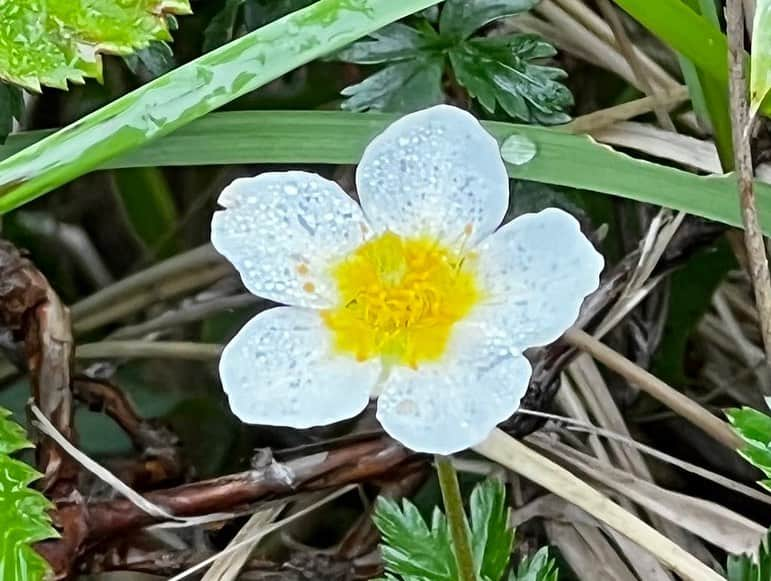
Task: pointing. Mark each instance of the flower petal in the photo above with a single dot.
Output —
(536, 272)
(453, 404)
(279, 370)
(283, 230)
(436, 172)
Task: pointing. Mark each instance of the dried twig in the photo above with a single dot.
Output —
(656, 388)
(533, 466)
(753, 233)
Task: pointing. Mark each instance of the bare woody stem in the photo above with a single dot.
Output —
(456, 517)
(753, 234)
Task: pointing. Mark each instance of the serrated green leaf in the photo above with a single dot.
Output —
(394, 42)
(23, 511)
(404, 86)
(754, 428)
(491, 535)
(11, 107)
(460, 18)
(410, 549)
(52, 42)
(539, 567)
(746, 568)
(499, 71)
(760, 59)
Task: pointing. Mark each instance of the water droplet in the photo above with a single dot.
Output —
(518, 149)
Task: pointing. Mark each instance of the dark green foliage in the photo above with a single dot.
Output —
(413, 551)
(23, 511)
(410, 82)
(690, 298)
(461, 18)
(251, 14)
(11, 107)
(222, 27)
(156, 59)
(500, 71)
(746, 568)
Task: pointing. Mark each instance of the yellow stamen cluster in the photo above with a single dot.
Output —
(399, 299)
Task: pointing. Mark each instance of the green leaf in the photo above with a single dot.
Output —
(258, 13)
(157, 59)
(691, 34)
(410, 548)
(498, 70)
(403, 86)
(23, 511)
(760, 59)
(754, 428)
(747, 568)
(692, 288)
(51, 42)
(460, 18)
(192, 90)
(221, 28)
(149, 207)
(303, 137)
(394, 42)
(491, 535)
(11, 107)
(540, 567)
(412, 80)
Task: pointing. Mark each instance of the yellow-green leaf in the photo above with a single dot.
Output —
(24, 516)
(760, 59)
(51, 42)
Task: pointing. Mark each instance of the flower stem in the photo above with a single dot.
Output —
(456, 517)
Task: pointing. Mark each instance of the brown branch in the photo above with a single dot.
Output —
(357, 462)
(740, 125)
(34, 321)
(160, 460)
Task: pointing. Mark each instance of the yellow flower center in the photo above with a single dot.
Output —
(400, 298)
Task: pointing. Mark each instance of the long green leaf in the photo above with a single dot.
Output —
(760, 77)
(689, 33)
(709, 95)
(299, 137)
(177, 98)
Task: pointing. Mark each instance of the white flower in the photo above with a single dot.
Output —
(412, 297)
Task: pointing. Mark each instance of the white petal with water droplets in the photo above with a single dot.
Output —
(536, 272)
(280, 370)
(453, 404)
(282, 231)
(436, 172)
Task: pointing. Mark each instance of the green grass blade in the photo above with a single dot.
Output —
(760, 77)
(149, 206)
(709, 96)
(300, 137)
(689, 33)
(192, 90)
